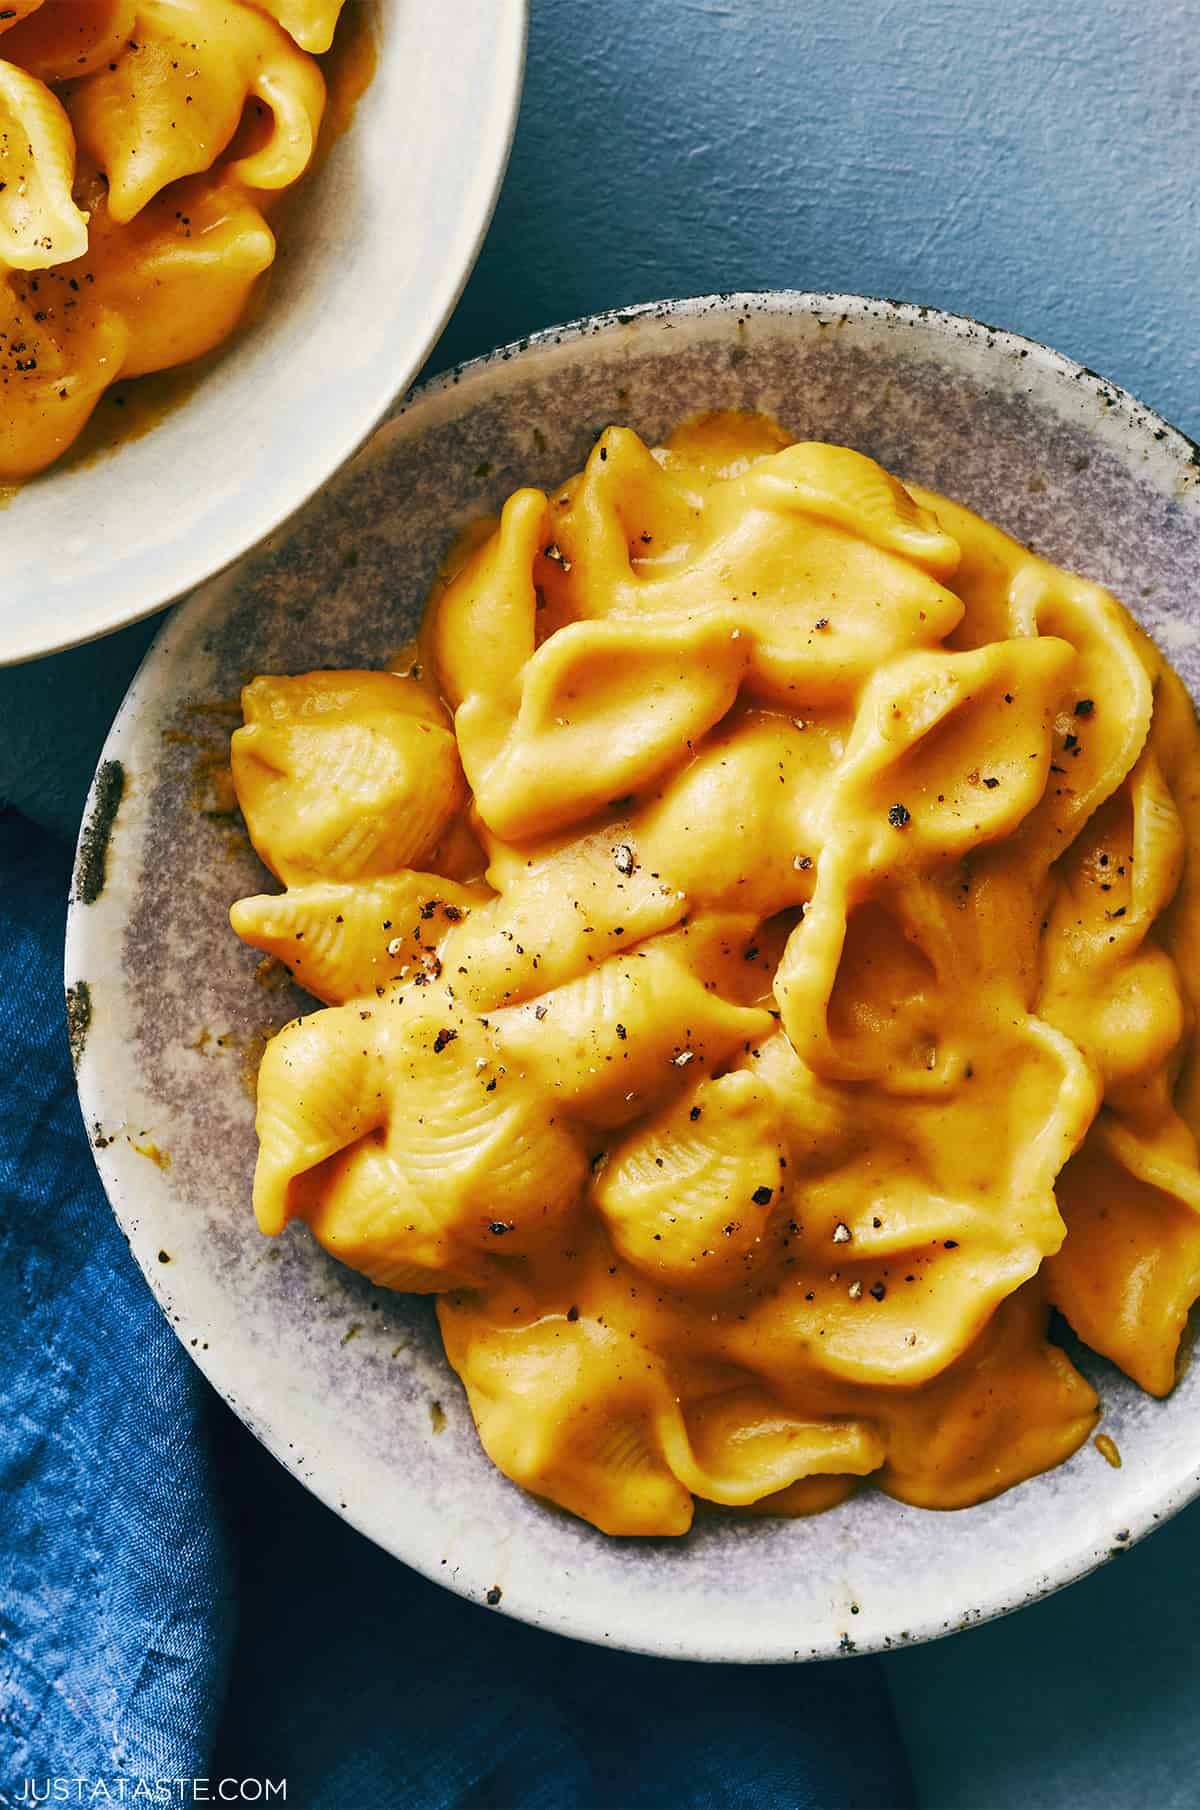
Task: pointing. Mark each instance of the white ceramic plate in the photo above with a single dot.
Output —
(347, 1384)
(370, 266)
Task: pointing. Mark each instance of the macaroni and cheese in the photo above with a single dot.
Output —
(143, 144)
(759, 939)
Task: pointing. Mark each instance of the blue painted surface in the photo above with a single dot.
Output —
(1033, 165)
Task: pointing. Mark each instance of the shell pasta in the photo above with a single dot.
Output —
(142, 145)
(759, 938)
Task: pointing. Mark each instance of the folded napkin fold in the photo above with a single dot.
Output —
(126, 1489)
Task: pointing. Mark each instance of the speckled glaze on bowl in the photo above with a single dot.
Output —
(347, 1384)
(371, 261)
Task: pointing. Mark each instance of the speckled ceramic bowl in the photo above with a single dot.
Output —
(372, 259)
(346, 1384)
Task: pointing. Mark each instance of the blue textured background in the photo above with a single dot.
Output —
(1034, 165)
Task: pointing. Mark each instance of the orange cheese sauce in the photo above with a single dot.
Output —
(758, 935)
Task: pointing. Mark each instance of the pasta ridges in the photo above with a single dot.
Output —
(694, 1199)
(40, 225)
(389, 775)
(368, 1215)
(626, 1035)
(343, 939)
(846, 487)
(594, 897)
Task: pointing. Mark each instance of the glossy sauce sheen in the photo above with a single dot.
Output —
(759, 939)
(143, 145)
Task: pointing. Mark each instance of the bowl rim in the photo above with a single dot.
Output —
(581, 1620)
(440, 299)
(836, 303)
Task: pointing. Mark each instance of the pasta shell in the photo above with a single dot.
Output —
(630, 516)
(1105, 706)
(876, 1324)
(606, 708)
(69, 38)
(615, 1042)
(65, 372)
(734, 830)
(907, 1230)
(843, 486)
(1120, 1002)
(498, 1174)
(343, 776)
(950, 752)
(1014, 1406)
(690, 1196)
(743, 1445)
(367, 1215)
(40, 225)
(170, 101)
(961, 741)
(321, 1087)
(345, 939)
(479, 628)
(473, 1140)
(182, 270)
(1129, 1270)
(558, 916)
(563, 1411)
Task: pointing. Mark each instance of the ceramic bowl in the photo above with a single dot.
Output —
(371, 262)
(347, 1384)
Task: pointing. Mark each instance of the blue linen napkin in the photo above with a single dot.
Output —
(126, 1488)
